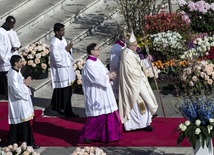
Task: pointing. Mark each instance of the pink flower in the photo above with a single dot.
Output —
(182, 3)
(44, 66)
(30, 62)
(210, 81)
(37, 61)
(191, 83)
(194, 78)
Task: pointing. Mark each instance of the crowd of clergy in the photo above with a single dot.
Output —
(117, 99)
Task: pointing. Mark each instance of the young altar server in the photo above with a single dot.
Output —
(62, 72)
(103, 122)
(20, 105)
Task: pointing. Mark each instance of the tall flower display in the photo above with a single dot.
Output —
(170, 45)
(201, 47)
(198, 78)
(199, 125)
(201, 14)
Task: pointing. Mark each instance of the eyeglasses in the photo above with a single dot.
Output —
(134, 45)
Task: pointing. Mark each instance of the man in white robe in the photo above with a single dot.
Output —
(62, 72)
(20, 105)
(137, 102)
(103, 122)
(9, 45)
(114, 64)
(14, 40)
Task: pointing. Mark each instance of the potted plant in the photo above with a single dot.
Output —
(88, 151)
(198, 128)
(23, 149)
(36, 60)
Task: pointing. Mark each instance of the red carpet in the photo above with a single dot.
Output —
(62, 132)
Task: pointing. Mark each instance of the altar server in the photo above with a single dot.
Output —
(62, 72)
(5, 52)
(103, 122)
(20, 105)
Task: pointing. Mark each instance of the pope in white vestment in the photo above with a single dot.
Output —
(137, 102)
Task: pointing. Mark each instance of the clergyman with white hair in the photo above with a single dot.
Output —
(137, 102)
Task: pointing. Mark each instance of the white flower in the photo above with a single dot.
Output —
(19, 150)
(197, 122)
(210, 127)
(182, 127)
(197, 131)
(187, 123)
(211, 120)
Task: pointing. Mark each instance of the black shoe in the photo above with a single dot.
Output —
(88, 140)
(155, 115)
(72, 114)
(34, 146)
(148, 128)
(61, 112)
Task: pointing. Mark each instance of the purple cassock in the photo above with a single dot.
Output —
(103, 128)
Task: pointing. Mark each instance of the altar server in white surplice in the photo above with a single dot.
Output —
(14, 40)
(103, 122)
(136, 99)
(20, 105)
(114, 63)
(5, 53)
(62, 72)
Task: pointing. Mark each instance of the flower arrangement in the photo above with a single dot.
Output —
(198, 78)
(14, 149)
(164, 21)
(36, 57)
(200, 115)
(170, 44)
(78, 66)
(199, 48)
(199, 11)
(88, 151)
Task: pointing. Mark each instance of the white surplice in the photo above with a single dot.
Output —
(5, 50)
(62, 72)
(98, 95)
(14, 40)
(136, 98)
(19, 99)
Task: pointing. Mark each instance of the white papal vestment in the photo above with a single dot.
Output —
(136, 99)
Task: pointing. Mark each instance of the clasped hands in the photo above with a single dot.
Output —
(27, 80)
(69, 46)
(112, 75)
